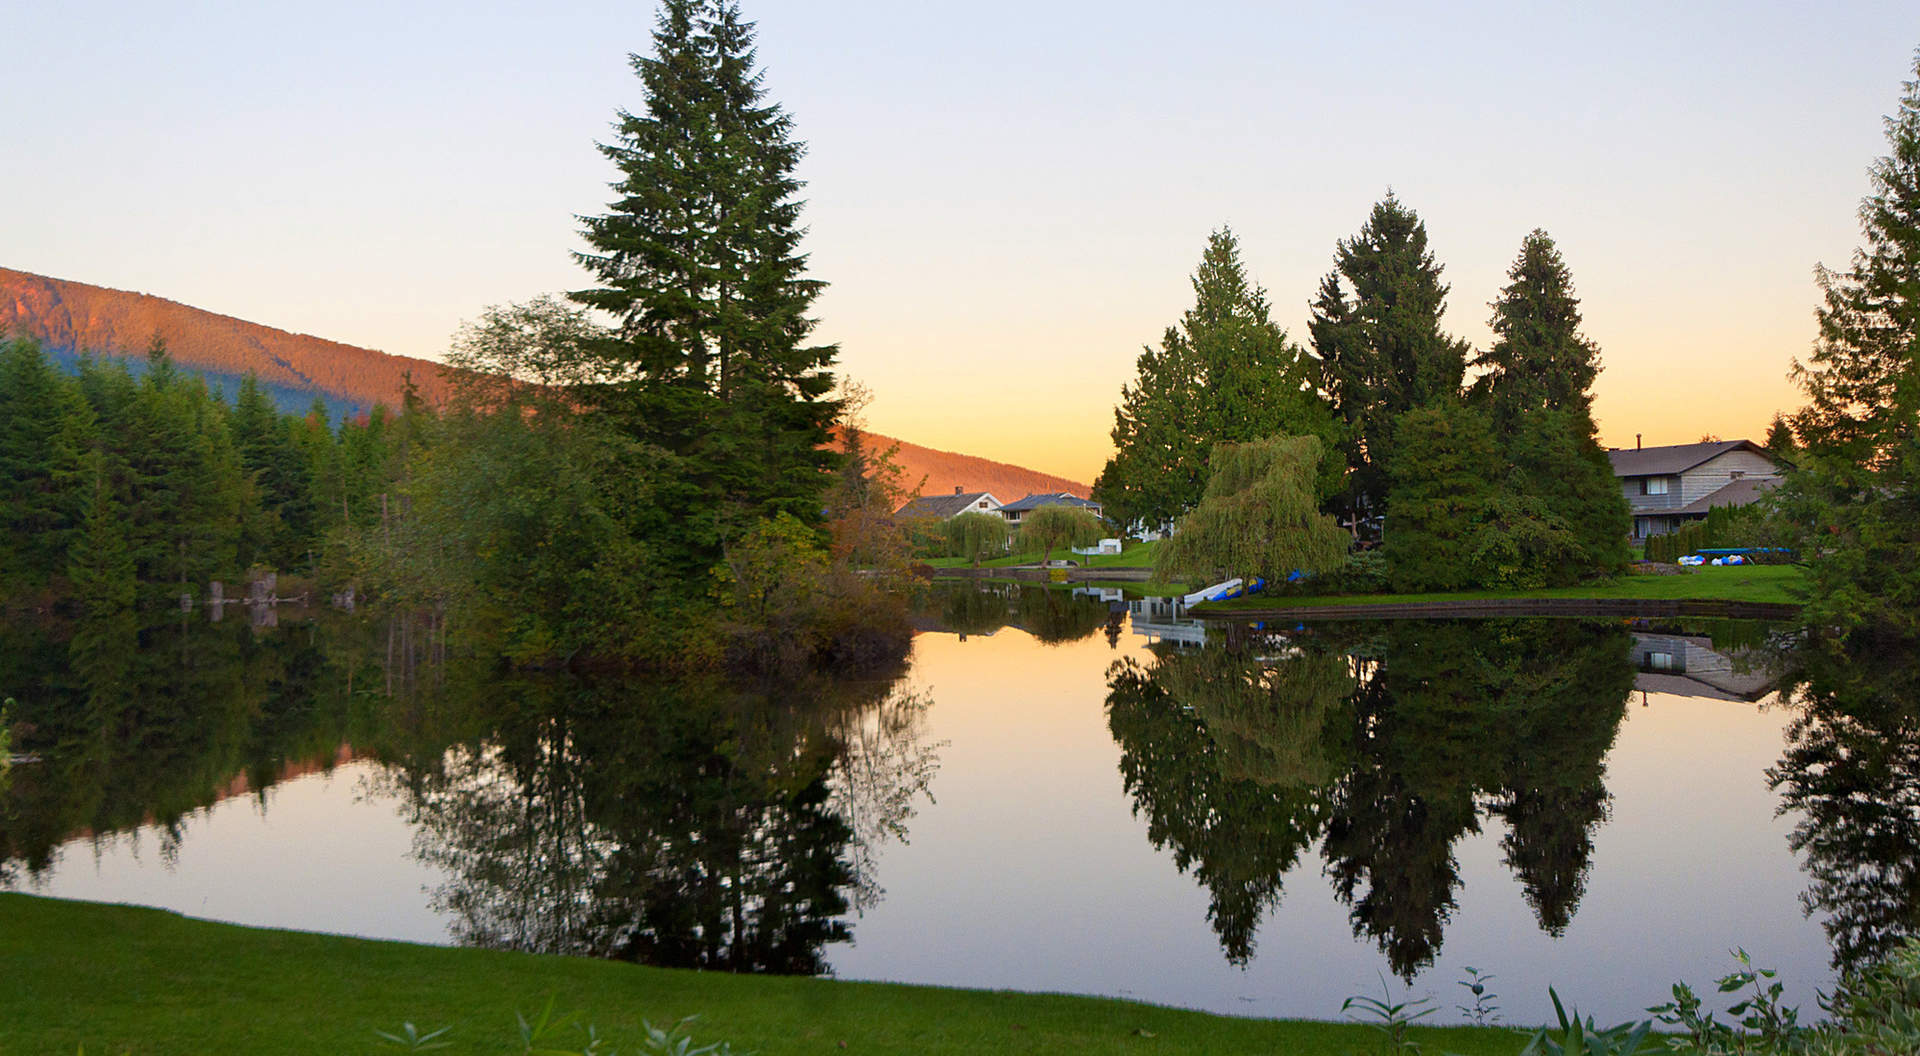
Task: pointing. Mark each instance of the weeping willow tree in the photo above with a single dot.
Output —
(1268, 718)
(1259, 517)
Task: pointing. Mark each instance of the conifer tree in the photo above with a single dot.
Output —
(1539, 360)
(698, 264)
(1443, 477)
(1535, 392)
(36, 512)
(1227, 374)
(1860, 470)
(282, 516)
(1376, 328)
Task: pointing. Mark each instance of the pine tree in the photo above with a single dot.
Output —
(1860, 471)
(698, 262)
(1226, 374)
(1376, 328)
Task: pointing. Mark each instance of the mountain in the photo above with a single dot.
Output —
(944, 471)
(71, 318)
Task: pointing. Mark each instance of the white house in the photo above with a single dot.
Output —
(945, 507)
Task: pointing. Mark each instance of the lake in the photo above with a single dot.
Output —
(1057, 791)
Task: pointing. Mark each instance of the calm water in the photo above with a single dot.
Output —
(1054, 793)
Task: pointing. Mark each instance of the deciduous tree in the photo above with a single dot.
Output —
(1054, 526)
(1260, 517)
(973, 535)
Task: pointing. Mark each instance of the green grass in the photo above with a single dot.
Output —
(1776, 584)
(1134, 555)
(119, 979)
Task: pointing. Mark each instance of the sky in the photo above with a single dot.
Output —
(1007, 199)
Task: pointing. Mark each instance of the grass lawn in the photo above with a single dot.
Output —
(1777, 584)
(118, 979)
(1135, 555)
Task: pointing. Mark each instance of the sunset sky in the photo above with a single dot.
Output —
(1007, 198)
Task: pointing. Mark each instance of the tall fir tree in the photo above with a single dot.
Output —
(1859, 475)
(698, 262)
(1535, 390)
(1376, 328)
(1227, 374)
(1539, 359)
(37, 512)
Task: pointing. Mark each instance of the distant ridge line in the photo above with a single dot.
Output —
(68, 316)
(78, 317)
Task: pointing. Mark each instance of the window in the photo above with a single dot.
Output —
(1653, 486)
(1662, 662)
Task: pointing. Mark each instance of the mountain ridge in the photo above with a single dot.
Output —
(69, 317)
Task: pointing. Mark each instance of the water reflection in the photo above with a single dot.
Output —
(691, 823)
(1385, 743)
(1052, 615)
(711, 823)
(1851, 775)
(138, 726)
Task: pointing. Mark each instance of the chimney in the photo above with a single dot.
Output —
(1636, 441)
(957, 491)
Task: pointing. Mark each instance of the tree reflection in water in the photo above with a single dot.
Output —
(690, 823)
(1386, 742)
(1851, 772)
(687, 822)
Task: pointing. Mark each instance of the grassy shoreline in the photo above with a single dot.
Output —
(126, 979)
(1760, 584)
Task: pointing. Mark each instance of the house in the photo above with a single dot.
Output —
(1668, 486)
(1014, 511)
(945, 507)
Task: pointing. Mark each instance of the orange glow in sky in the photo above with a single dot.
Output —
(1006, 199)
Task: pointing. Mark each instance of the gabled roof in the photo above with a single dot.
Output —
(945, 505)
(1052, 498)
(1667, 461)
(1742, 492)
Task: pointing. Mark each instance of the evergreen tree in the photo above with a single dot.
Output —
(37, 508)
(1860, 473)
(1539, 360)
(698, 263)
(1226, 374)
(280, 525)
(1535, 393)
(1443, 489)
(1781, 445)
(1558, 466)
(100, 565)
(1376, 328)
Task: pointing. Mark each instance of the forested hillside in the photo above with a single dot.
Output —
(75, 317)
(69, 318)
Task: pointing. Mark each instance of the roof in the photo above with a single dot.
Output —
(1052, 498)
(945, 505)
(1742, 492)
(1666, 461)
